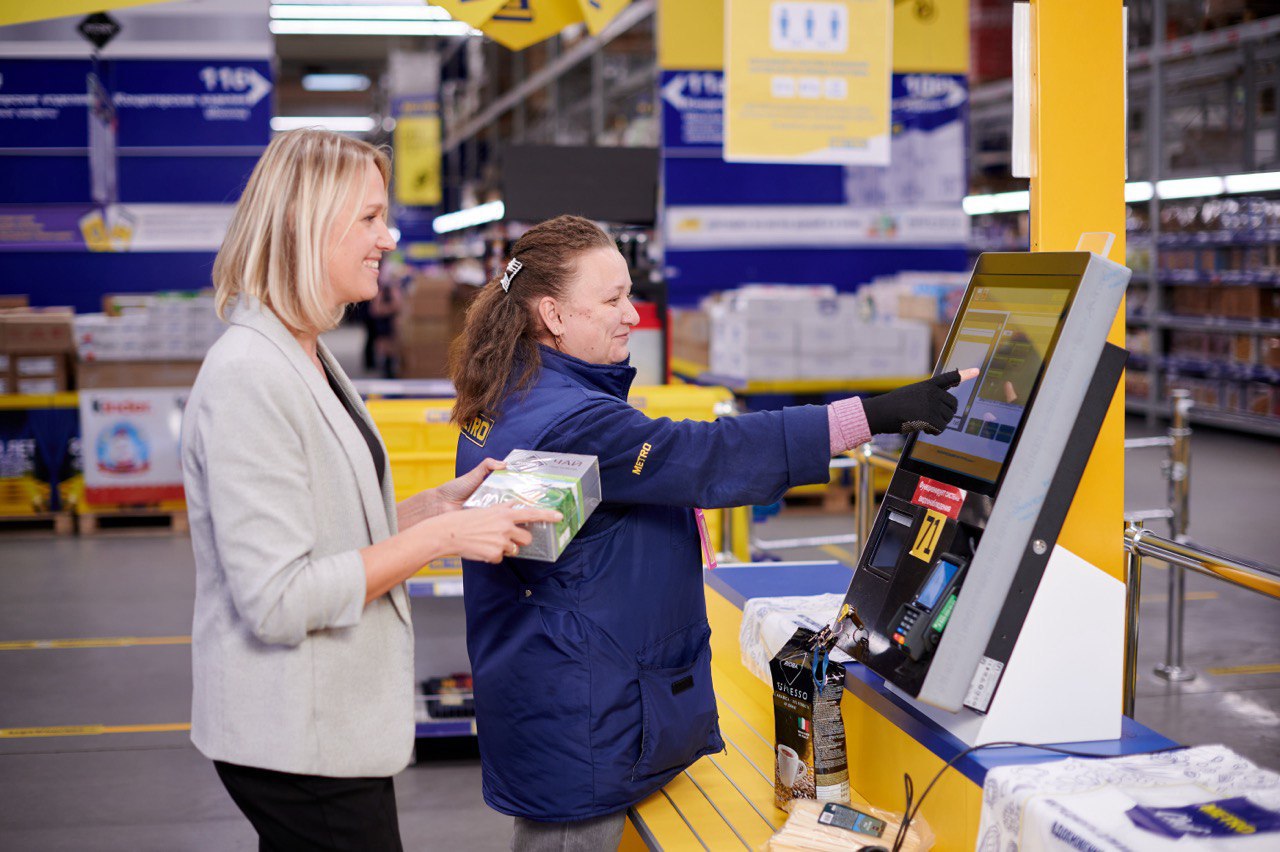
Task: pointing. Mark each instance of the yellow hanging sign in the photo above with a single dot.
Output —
(416, 141)
(521, 23)
(598, 13)
(473, 12)
(807, 82)
(23, 11)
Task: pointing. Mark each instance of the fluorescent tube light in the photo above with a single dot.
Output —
(335, 82)
(1256, 182)
(978, 205)
(1190, 187)
(419, 12)
(336, 123)
(1138, 191)
(479, 215)
(375, 28)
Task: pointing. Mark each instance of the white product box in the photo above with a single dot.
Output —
(130, 440)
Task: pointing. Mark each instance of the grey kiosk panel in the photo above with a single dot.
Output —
(970, 517)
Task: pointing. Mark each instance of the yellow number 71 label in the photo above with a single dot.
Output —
(929, 535)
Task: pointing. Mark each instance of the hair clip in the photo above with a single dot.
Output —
(512, 268)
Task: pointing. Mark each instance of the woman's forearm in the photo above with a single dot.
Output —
(419, 507)
(394, 560)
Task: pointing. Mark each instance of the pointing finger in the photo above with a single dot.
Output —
(947, 380)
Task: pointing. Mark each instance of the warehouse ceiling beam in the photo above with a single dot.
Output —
(627, 18)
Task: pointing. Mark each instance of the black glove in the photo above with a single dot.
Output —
(925, 405)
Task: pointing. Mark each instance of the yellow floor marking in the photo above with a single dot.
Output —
(1191, 596)
(1265, 668)
(106, 642)
(845, 555)
(90, 730)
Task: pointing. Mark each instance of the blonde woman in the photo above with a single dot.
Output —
(302, 647)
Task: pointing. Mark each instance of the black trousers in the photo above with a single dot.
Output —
(310, 812)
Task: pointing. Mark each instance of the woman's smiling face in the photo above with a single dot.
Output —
(354, 256)
(596, 315)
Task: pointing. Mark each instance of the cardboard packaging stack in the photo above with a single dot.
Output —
(36, 345)
(799, 332)
(141, 341)
(424, 327)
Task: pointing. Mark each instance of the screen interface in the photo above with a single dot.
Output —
(1005, 330)
(938, 579)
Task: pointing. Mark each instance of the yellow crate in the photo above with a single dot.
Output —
(679, 402)
(415, 425)
(414, 472)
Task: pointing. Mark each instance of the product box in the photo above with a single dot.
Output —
(131, 445)
(690, 335)
(92, 375)
(429, 297)
(810, 758)
(568, 483)
(36, 331)
(39, 374)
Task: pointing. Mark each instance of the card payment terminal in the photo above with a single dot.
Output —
(920, 621)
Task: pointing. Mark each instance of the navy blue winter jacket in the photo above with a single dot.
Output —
(593, 673)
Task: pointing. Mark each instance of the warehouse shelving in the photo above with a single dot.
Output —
(1216, 97)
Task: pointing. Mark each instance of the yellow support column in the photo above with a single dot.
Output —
(1077, 186)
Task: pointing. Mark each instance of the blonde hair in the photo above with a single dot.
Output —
(276, 248)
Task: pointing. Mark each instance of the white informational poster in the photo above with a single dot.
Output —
(130, 441)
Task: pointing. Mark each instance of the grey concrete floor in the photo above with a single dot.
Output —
(150, 789)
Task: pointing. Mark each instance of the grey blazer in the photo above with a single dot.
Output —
(292, 671)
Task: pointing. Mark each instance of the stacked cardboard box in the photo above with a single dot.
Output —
(35, 349)
(424, 327)
(785, 333)
(690, 335)
(152, 327)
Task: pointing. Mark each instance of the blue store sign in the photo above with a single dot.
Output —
(160, 103)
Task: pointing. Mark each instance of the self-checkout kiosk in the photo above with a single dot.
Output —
(962, 600)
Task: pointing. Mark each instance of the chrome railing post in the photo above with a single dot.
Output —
(1133, 596)
(1179, 474)
(866, 494)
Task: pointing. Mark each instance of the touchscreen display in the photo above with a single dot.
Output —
(1006, 331)
(938, 579)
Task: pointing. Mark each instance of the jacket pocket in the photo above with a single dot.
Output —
(678, 705)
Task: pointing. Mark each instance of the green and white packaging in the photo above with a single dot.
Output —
(568, 483)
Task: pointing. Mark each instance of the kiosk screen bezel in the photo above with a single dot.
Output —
(1061, 279)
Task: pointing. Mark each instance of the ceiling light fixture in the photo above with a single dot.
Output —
(336, 123)
(309, 11)
(373, 28)
(335, 82)
(481, 214)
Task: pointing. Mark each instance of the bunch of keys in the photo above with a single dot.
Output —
(847, 632)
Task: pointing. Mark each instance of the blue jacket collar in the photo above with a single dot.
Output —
(613, 379)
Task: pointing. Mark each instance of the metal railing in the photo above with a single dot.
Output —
(1139, 543)
(1177, 472)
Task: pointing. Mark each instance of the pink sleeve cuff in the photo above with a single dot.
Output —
(847, 423)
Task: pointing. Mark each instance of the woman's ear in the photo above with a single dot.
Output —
(549, 313)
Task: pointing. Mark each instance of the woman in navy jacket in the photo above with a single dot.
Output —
(593, 674)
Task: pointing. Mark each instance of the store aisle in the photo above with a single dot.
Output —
(117, 776)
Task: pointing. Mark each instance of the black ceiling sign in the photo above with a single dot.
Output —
(99, 28)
